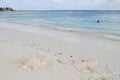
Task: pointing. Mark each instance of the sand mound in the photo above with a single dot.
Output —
(31, 62)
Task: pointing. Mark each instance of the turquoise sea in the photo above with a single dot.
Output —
(79, 20)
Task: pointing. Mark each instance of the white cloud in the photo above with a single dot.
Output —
(99, 4)
(91, 2)
(58, 1)
(62, 4)
(117, 0)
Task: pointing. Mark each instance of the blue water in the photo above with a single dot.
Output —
(80, 20)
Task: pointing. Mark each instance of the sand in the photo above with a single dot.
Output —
(32, 53)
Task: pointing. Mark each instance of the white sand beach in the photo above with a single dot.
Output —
(34, 53)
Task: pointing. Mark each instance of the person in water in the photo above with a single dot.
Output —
(98, 21)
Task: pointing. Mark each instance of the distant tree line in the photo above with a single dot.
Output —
(6, 9)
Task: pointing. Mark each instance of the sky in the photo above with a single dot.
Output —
(62, 4)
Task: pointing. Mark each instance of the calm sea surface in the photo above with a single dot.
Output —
(80, 20)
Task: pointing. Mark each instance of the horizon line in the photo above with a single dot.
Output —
(68, 10)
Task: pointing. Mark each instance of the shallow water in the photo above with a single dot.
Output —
(79, 20)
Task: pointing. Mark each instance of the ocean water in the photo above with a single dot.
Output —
(77, 20)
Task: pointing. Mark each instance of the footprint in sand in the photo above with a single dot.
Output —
(91, 65)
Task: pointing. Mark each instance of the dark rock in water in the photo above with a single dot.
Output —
(2, 9)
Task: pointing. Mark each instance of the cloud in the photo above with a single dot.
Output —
(91, 2)
(58, 1)
(63, 4)
(101, 4)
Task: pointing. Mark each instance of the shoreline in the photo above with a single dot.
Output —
(70, 31)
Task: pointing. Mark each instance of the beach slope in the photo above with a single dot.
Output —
(32, 53)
